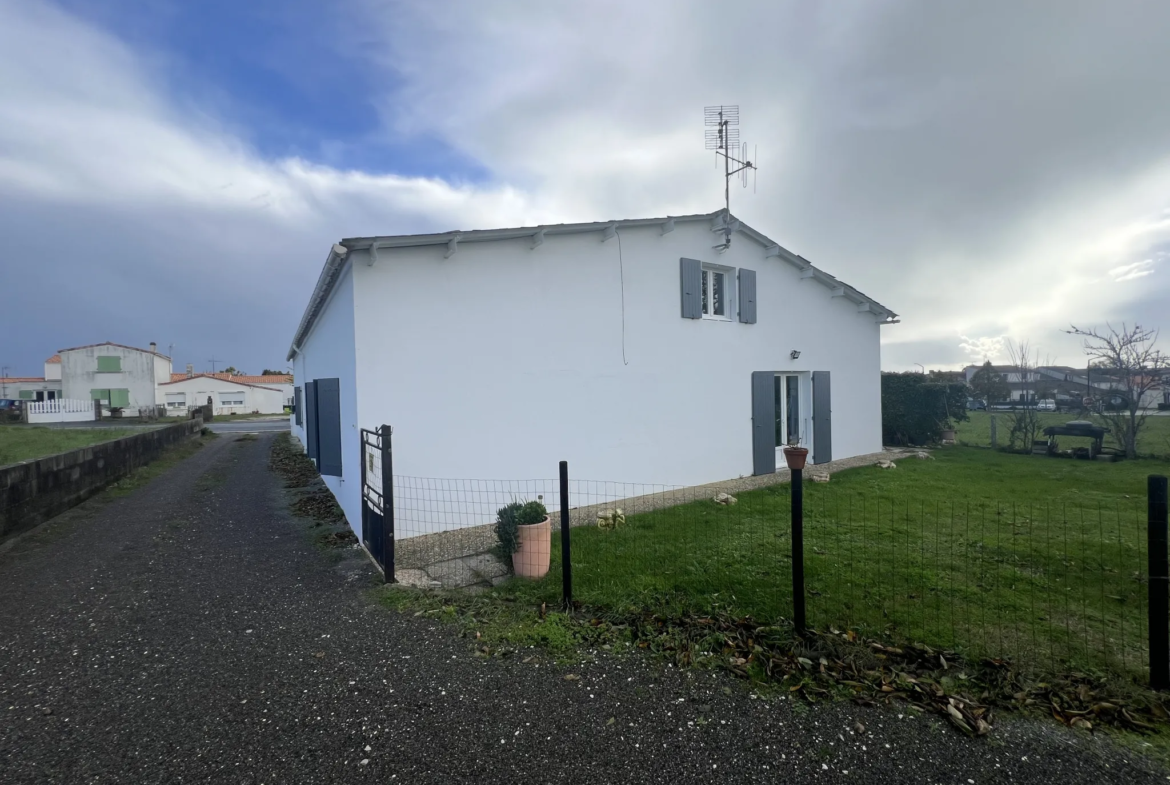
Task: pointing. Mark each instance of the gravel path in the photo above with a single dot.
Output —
(190, 632)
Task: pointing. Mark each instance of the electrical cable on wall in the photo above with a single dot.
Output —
(622, 272)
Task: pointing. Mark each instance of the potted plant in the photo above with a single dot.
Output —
(795, 455)
(525, 534)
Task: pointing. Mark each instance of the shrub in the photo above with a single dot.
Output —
(915, 410)
(513, 515)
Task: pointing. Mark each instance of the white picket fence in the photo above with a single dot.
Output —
(60, 410)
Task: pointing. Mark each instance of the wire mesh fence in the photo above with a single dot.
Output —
(1053, 584)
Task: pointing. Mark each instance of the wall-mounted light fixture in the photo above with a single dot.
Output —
(794, 354)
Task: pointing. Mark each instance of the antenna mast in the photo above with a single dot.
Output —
(722, 136)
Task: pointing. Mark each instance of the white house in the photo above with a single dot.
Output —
(119, 376)
(227, 396)
(282, 382)
(676, 350)
(34, 388)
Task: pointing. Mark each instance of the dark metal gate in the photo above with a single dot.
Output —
(378, 498)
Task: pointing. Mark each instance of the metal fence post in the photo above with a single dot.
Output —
(566, 562)
(798, 615)
(387, 506)
(362, 489)
(1159, 584)
(993, 439)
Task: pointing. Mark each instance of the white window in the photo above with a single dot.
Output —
(231, 398)
(718, 292)
(176, 400)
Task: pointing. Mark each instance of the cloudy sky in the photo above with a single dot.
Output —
(176, 171)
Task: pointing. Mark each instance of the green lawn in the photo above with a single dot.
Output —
(1154, 439)
(20, 443)
(1031, 558)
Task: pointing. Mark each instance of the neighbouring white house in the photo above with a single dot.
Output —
(226, 395)
(678, 351)
(282, 382)
(34, 388)
(121, 377)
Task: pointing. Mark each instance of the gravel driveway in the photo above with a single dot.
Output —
(190, 632)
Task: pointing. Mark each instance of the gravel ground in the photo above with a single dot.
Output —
(191, 632)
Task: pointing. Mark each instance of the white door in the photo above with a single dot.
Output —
(792, 410)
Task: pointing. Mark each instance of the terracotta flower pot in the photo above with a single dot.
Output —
(532, 559)
(795, 457)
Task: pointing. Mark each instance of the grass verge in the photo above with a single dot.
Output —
(825, 665)
(21, 443)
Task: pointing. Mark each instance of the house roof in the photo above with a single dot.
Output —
(56, 358)
(17, 379)
(218, 377)
(720, 220)
(231, 377)
(110, 343)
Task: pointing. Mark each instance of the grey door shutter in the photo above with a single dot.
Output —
(311, 419)
(329, 427)
(822, 416)
(691, 273)
(747, 296)
(763, 422)
(297, 405)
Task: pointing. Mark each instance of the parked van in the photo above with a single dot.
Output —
(1046, 405)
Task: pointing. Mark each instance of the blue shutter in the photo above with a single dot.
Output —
(691, 274)
(822, 417)
(311, 419)
(298, 405)
(747, 296)
(329, 427)
(763, 422)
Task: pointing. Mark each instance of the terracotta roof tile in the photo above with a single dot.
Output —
(182, 377)
(178, 377)
(56, 358)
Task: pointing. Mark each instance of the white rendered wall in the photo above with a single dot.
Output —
(53, 372)
(198, 388)
(79, 374)
(503, 360)
(12, 389)
(329, 352)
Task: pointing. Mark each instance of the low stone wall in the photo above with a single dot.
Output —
(33, 491)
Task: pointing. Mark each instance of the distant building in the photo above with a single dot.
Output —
(119, 376)
(225, 395)
(35, 388)
(281, 382)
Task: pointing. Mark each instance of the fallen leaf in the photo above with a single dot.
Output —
(572, 677)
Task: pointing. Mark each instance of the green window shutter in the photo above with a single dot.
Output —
(119, 398)
(99, 395)
(109, 364)
(26, 395)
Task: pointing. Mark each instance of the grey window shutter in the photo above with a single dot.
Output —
(691, 273)
(822, 416)
(763, 422)
(297, 404)
(311, 419)
(747, 296)
(329, 427)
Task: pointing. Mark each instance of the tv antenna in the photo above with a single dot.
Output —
(722, 136)
(213, 361)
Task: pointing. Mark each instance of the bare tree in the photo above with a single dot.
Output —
(1134, 368)
(1023, 422)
